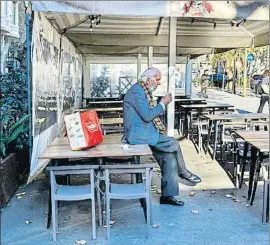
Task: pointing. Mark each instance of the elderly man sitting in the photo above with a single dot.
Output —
(142, 125)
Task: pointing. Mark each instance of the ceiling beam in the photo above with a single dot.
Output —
(160, 40)
(130, 50)
(159, 25)
(64, 30)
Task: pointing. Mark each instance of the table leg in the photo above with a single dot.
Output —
(139, 180)
(265, 201)
(221, 143)
(243, 164)
(100, 184)
(178, 124)
(208, 136)
(49, 217)
(186, 128)
(99, 199)
(256, 176)
(252, 170)
(215, 139)
(138, 176)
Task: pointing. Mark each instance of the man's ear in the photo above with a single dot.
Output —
(148, 81)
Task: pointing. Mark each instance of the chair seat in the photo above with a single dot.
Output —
(127, 191)
(79, 192)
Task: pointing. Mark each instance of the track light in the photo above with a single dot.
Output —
(94, 20)
(232, 25)
(242, 21)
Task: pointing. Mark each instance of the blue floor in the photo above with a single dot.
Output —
(220, 221)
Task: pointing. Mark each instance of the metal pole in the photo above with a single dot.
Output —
(150, 56)
(139, 65)
(223, 78)
(171, 75)
(188, 85)
(29, 74)
(245, 74)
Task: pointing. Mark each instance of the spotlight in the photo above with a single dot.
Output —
(232, 25)
(93, 19)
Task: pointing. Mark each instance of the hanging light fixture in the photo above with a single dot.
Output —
(94, 21)
(232, 25)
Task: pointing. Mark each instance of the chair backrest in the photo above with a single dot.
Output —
(72, 170)
(127, 168)
(234, 138)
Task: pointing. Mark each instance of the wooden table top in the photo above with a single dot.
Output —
(258, 136)
(111, 147)
(101, 98)
(60, 144)
(162, 94)
(208, 105)
(189, 99)
(237, 116)
(106, 109)
(262, 146)
(105, 102)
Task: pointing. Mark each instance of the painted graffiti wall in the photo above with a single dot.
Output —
(56, 83)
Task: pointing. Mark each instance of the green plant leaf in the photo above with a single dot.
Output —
(17, 124)
(3, 149)
(6, 115)
(15, 133)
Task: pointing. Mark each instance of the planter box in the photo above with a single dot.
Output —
(9, 178)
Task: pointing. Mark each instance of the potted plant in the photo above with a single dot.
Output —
(11, 127)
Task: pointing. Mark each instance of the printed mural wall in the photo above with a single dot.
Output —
(56, 83)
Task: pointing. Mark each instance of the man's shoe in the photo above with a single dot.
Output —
(193, 178)
(170, 201)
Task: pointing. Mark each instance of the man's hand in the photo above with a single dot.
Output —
(166, 99)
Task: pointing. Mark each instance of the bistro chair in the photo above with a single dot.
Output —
(202, 130)
(262, 164)
(71, 192)
(238, 159)
(128, 191)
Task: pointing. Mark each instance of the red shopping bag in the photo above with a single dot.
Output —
(83, 130)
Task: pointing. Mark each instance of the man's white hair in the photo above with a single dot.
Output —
(150, 73)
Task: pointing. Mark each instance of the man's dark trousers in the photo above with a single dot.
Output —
(264, 99)
(169, 156)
